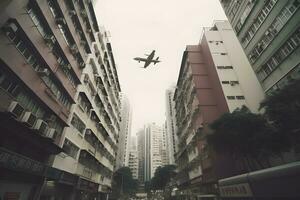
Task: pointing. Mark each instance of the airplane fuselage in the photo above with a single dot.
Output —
(150, 59)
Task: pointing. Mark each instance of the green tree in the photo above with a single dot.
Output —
(245, 136)
(162, 176)
(123, 183)
(282, 109)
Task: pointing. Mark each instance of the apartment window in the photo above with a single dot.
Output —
(31, 56)
(9, 83)
(78, 124)
(245, 15)
(70, 148)
(230, 97)
(258, 21)
(225, 67)
(273, 30)
(83, 102)
(225, 82)
(283, 52)
(240, 97)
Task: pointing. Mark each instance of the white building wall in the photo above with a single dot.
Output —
(222, 40)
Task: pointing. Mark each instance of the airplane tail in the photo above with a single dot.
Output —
(156, 60)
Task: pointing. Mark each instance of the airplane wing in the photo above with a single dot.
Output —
(147, 63)
(140, 59)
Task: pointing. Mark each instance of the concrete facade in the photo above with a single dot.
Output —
(133, 163)
(125, 133)
(214, 79)
(269, 32)
(171, 125)
(60, 89)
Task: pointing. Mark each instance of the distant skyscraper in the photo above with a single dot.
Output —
(133, 158)
(155, 149)
(141, 155)
(171, 124)
(269, 32)
(125, 133)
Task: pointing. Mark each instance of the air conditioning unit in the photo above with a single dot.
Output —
(74, 49)
(15, 109)
(86, 78)
(82, 65)
(51, 118)
(72, 12)
(79, 31)
(82, 42)
(83, 13)
(51, 133)
(66, 66)
(43, 72)
(60, 21)
(49, 39)
(89, 30)
(41, 126)
(29, 119)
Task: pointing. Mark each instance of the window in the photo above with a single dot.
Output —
(78, 124)
(272, 31)
(225, 82)
(259, 20)
(240, 97)
(230, 97)
(282, 53)
(70, 148)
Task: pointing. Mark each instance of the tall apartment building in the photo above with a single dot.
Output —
(155, 149)
(215, 77)
(125, 133)
(269, 32)
(171, 124)
(59, 96)
(133, 162)
(141, 155)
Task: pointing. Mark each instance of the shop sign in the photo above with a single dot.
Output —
(238, 190)
(15, 161)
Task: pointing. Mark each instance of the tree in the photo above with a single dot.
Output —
(162, 176)
(282, 109)
(123, 183)
(245, 136)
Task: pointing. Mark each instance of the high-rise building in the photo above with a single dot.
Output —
(141, 155)
(133, 162)
(125, 133)
(171, 124)
(269, 32)
(59, 101)
(152, 151)
(155, 149)
(215, 77)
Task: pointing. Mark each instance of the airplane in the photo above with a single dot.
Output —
(148, 60)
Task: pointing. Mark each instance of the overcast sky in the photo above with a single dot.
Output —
(139, 26)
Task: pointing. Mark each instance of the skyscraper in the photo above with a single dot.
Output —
(125, 133)
(141, 155)
(155, 149)
(269, 32)
(133, 162)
